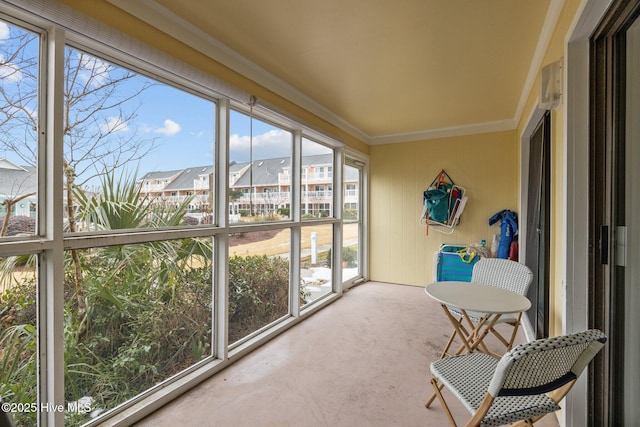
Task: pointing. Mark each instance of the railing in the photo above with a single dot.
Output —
(149, 188)
(285, 178)
(326, 196)
(285, 196)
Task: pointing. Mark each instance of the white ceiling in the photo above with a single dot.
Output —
(383, 70)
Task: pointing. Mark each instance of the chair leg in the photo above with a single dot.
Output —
(433, 395)
(509, 344)
(437, 387)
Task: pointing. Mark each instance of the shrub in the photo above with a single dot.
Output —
(258, 293)
(189, 220)
(350, 214)
(20, 225)
(284, 212)
(142, 324)
(18, 355)
(148, 317)
(350, 256)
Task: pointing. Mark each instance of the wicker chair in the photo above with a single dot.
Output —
(524, 385)
(501, 273)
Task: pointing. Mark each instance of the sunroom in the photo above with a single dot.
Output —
(196, 178)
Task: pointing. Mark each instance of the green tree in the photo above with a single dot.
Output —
(101, 100)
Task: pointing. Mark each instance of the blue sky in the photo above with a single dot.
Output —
(180, 124)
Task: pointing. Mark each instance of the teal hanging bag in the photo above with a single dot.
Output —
(436, 201)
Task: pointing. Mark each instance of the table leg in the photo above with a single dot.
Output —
(479, 332)
(475, 329)
(459, 330)
(483, 329)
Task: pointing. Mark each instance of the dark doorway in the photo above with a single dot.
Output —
(614, 292)
(537, 225)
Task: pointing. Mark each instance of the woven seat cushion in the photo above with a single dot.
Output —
(468, 376)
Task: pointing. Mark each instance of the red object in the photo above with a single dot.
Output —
(513, 251)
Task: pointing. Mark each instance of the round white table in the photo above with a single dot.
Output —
(484, 302)
(477, 297)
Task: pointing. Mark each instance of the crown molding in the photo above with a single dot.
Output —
(476, 128)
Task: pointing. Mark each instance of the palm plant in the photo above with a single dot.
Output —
(18, 372)
(114, 351)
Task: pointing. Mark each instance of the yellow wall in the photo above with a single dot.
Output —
(486, 165)
(555, 52)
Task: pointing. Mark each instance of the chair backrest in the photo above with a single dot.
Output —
(503, 273)
(545, 365)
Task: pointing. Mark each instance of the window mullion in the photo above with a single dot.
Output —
(221, 246)
(296, 237)
(51, 273)
(337, 213)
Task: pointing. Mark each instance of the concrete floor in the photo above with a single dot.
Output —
(362, 361)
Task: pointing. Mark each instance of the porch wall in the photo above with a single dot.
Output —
(486, 165)
(556, 50)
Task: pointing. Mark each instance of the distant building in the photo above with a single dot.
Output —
(172, 187)
(15, 182)
(270, 180)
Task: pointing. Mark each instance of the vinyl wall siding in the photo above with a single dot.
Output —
(486, 165)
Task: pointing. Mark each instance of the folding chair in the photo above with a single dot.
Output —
(524, 385)
(501, 273)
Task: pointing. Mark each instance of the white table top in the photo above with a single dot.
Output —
(477, 297)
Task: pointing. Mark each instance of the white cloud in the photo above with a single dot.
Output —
(93, 70)
(170, 128)
(310, 148)
(5, 32)
(114, 124)
(10, 72)
(272, 138)
(237, 142)
(272, 144)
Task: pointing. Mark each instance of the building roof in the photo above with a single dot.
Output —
(17, 180)
(187, 177)
(160, 174)
(263, 172)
